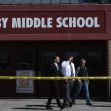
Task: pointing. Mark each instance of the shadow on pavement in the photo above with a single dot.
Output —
(34, 107)
(38, 106)
(101, 105)
(30, 108)
(37, 109)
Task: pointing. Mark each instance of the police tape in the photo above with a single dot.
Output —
(54, 78)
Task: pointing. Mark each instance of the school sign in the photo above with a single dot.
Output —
(41, 22)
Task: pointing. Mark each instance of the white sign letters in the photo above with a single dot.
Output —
(49, 22)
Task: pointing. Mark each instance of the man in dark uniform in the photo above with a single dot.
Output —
(54, 71)
(82, 71)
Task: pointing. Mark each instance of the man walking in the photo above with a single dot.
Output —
(82, 71)
(54, 70)
(68, 70)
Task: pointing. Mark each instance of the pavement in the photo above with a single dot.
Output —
(39, 105)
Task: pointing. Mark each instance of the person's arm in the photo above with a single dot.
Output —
(65, 63)
(87, 74)
(86, 71)
(51, 69)
(77, 73)
(73, 69)
(63, 66)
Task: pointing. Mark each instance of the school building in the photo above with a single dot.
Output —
(32, 31)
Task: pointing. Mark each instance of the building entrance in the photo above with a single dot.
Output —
(36, 55)
(93, 51)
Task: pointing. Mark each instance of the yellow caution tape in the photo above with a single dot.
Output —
(56, 78)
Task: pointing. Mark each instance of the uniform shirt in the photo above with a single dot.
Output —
(66, 68)
(82, 71)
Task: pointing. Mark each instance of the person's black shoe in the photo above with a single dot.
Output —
(65, 104)
(62, 107)
(48, 107)
(73, 102)
(70, 104)
(89, 103)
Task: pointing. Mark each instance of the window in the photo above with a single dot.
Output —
(4, 59)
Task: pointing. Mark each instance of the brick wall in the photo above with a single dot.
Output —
(109, 68)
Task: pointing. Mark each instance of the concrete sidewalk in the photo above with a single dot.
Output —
(39, 105)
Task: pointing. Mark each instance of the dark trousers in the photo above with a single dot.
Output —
(67, 90)
(54, 92)
(81, 85)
